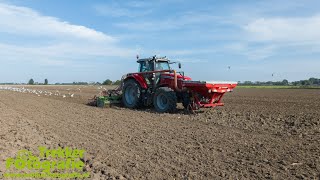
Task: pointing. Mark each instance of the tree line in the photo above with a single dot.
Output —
(308, 82)
(32, 82)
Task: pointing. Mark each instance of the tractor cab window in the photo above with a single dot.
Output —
(142, 66)
(145, 66)
(162, 65)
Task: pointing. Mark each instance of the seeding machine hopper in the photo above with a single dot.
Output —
(157, 84)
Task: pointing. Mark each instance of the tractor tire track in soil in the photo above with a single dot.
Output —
(259, 133)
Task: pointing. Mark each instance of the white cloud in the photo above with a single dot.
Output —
(140, 4)
(302, 29)
(291, 69)
(252, 52)
(191, 20)
(50, 41)
(192, 51)
(114, 10)
(193, 60)
(62, 52)
(25, 21)
(132, 9)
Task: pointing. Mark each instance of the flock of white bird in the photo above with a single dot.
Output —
(100, 88)
(38, 92)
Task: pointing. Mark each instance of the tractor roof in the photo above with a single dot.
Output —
(165, 59)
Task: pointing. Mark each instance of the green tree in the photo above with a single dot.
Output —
(118, 82)
(107, 82)
(31, 82)
(305, 83)
(46, 82)
(285, 82)
(247, 83)
(314, 81)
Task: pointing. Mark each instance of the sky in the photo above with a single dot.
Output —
(94, 40)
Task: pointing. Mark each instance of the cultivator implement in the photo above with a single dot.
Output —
(106, 98)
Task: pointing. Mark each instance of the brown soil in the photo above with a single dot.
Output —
(259, 133)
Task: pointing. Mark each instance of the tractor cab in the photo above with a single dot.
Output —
(152, 68)
(153, 64)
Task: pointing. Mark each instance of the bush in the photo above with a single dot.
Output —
(107, 82)
(118, 82)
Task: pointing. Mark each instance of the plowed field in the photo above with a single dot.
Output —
(259, 133)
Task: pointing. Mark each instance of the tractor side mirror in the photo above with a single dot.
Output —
(179, 65)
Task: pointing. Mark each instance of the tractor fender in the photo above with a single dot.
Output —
(139, 79)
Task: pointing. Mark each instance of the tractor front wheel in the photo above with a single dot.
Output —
(131, 94)
(165, 100)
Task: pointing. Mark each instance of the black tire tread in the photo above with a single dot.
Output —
(172, 97)
(138, 102)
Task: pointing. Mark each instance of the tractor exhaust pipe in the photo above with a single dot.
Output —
(176, 82)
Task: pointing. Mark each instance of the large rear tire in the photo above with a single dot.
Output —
(131, 94)
(165, 100)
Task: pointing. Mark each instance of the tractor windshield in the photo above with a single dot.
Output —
(162, 65)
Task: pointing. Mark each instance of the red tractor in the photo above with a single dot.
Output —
(158, 85)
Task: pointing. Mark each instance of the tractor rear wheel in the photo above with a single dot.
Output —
(165, 100)
(131, 94)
